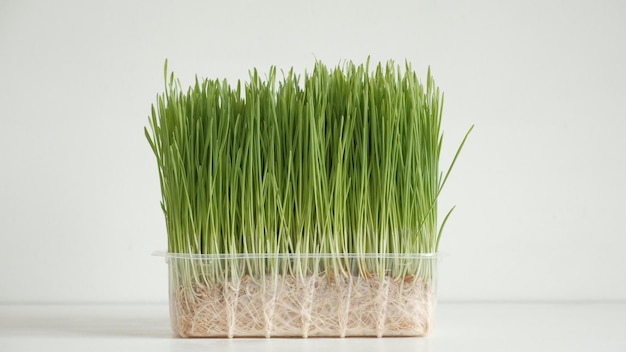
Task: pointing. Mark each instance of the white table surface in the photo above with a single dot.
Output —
(459, 327)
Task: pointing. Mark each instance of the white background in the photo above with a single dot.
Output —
(539, 187)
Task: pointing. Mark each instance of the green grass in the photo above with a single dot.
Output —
(344, 161)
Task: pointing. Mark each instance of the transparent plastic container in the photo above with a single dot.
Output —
(299, 295)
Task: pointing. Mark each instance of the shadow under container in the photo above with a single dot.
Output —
(302, 295)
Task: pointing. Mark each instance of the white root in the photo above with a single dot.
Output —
(316, 306)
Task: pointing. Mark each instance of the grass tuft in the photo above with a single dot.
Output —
(344, 162)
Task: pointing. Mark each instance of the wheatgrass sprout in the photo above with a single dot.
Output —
(336, 174)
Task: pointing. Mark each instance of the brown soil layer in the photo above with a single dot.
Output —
(307, 307)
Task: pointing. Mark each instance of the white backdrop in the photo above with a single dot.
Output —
(538, 188)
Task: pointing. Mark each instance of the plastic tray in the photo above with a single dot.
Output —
(302, 295)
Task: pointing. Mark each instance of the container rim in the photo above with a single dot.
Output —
(170, 255)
